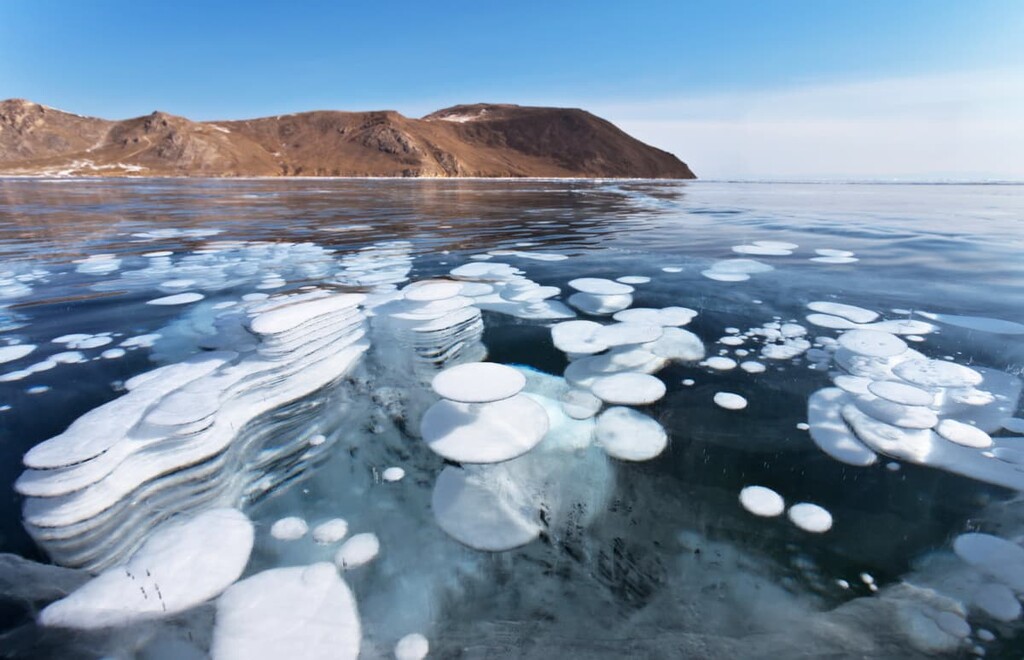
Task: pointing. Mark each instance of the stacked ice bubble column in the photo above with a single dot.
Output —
(614, 364)
(893, 401)
(430, 327)
(598, 296)
(379, 266)
(499, 287)
(214, 430)
(483, 420)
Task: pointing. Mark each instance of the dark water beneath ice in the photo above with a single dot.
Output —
(671, 565)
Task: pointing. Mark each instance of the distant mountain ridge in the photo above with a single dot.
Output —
(481, 140)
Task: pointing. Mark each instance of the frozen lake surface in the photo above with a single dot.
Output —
(672, 419)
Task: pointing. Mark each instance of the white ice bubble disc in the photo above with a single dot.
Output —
(412, 647)
(810, 517)
(431, 291)
(908, 417)
(629, 435)
(183, 564)
(901, 393)
(848, 312)
(484, 510)
(15, 352)
(624, 334)
(330, 531)
(599, 286)
(937, 373)
(752, 367)
(730, 401)
(633, 279)
(996, 557)
(872, 343)
(177, 299)
(677, 344)
(487, 433)
(580, 404)
(720, 363)
(998, 601)
(579, 337)
(665, 316)
(829, 252)
(963, 434)
(359, 550)
(289, 529)
(393, 474)
(762, 501)
(479, 382)
(303, 612)
(629, 389)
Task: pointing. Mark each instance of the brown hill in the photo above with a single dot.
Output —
(467, 140)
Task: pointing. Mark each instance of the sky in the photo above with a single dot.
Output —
(739, 89)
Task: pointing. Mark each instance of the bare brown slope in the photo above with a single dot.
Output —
(476, 140)
(29, 130)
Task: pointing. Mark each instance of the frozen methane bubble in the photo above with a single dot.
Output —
(393, 474)
(735, 270)
(291, 528)
(759, 249)
(478, 382)
(183, 564)
(762, 501)
(15, 352)
(982, 323)
(330, 531)
(937, 373)
(628, 388)
(600, 305)
(485, 511)
(629, 435)
(484, 433)
(719, 363)
(835, 260)
(579, 337)
(998, 601)
(357, 551)
(829, 252)
(665, 316)
(872, 343)
(810, 517)
(177, 299)
(190, 435)
(580, 404)
(730, 401)
(848, 312)
(633, 279)
(677, 344)
(412, 647)
(752, 367)
(908, 417)
(963, 434)
(431, 291)
(625, 334)
(1014, 425)
(600, 287)
(296, 612)
(998, 558)
(902, 393)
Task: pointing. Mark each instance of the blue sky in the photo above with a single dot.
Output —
(730, 86)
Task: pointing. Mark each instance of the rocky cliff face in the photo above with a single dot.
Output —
(467, 140)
